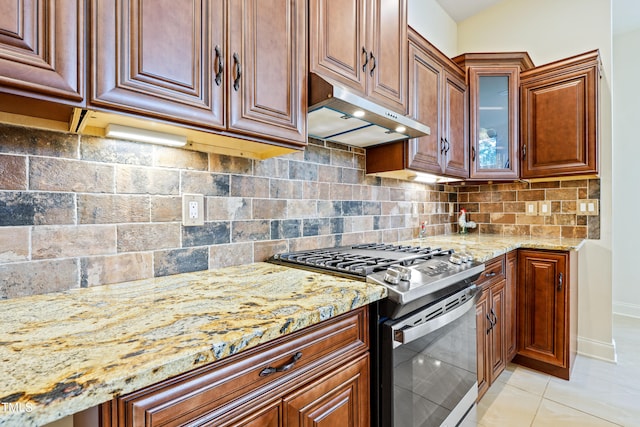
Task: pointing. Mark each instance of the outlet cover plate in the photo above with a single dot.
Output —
(544, 207)
(531, 208)
(192, 210)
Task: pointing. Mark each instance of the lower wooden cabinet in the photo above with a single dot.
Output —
(547, 311)
(317, 376)
(495, 313)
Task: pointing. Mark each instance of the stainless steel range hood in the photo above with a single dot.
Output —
(337, 114)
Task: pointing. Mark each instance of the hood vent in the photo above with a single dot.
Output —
(336, 114)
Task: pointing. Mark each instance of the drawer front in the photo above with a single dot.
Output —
(494, 271)
(199, 394)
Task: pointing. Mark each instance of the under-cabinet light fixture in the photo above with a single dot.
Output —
(428, 178)
(145, 135)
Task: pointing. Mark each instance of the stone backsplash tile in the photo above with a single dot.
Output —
(113, 209)
(13, 172)
(104, 211)
(38, 277)
(36, 142)
(36, 208)
(70, 175)
(73, 241)
(177, 261)
(14, 244)
(145, 180)
(144, 237)
(100, 270)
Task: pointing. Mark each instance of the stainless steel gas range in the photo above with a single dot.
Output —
(423, 339)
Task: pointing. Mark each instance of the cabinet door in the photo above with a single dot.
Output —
(338, 399)
(483, 329)
(338, 47)
(425, 75)
(497, 343)
(388, 56)
(559, 121)
(542, 308)
(456, 146)
(493, 122)
(158, 58)
(267, 68)
(509, 316)
(41, 49)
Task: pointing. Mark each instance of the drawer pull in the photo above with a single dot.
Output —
(270, 370)
(493, 273)
(560, 282)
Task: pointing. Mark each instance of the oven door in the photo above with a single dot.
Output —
(428, 366)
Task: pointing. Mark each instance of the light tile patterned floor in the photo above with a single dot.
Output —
(599, 393)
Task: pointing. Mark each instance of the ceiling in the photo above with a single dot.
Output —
(626, 13)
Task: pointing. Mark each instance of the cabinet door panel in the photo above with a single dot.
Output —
(456, 142)
(388, 67)
(341, 398)
(157, 58)
(541, 306)
(424, 105)
(338, 46)
(497, 345)
(266, 62)
(482, 336)
(41, 49)
(559, 131)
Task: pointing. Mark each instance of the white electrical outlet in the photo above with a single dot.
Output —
(592, 207)
(192, 209)
(531, 208)
(451, 209)
(544, 207)
(582, 207)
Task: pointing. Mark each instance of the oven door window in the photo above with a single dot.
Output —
(434, 376)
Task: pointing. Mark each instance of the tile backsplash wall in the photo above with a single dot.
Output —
(78, 211)
(500, 208)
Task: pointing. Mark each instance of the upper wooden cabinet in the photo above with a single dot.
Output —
(232, 66)
(438, 98)
(41, 57)
(559, 118)
(362, 44)
(493, 80)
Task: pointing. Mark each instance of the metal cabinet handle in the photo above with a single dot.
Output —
(366, 60)
(490, 323)
(270, 370)
(220, 70)
(373, 67)
(446, 150)
(495, 318)
(560, 281)
(441, 145)
(493, 273)
(236, 81)
(473, 153)
(524, 151)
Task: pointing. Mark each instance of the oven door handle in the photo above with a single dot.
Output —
(403, 336)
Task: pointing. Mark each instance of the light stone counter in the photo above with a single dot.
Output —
(62, 353)
(483, 247)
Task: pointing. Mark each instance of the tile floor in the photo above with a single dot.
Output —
(599, 394)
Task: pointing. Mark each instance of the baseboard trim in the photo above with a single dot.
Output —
(625, 309)
(598, 349)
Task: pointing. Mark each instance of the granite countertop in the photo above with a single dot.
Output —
(65, 352)
(484, 247)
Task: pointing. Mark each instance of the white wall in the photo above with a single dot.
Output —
(550, 30)
(626, 173)
(430, 20)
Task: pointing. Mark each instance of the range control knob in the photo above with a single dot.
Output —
(456, 259)
(397, 273)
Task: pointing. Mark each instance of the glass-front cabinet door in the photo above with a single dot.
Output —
(494, 122)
